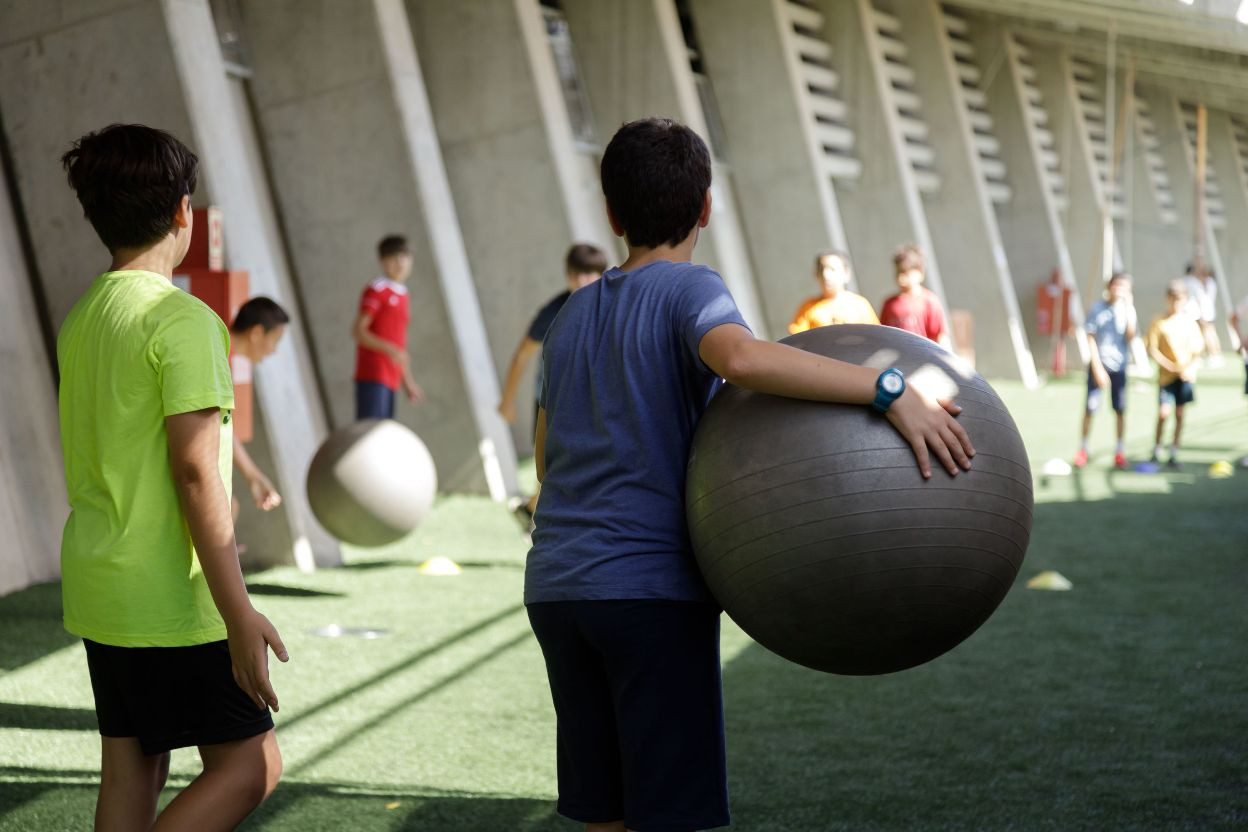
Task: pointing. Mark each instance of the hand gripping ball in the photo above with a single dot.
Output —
(371, 482)
(818, 535)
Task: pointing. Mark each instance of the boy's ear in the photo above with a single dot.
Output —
(616, 228)
(705, 216)
(182, 216)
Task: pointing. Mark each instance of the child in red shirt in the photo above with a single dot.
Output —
(380, 332)
(915, 308)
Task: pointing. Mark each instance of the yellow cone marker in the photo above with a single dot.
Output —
(440, 567)
(1221, 470)
(394, 804)
(1050, 580)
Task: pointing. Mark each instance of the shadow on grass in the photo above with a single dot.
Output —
(38, 799)
(1117, 705)
(277, 590)
(46, 717)
(32, 626)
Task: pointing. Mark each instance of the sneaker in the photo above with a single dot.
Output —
(1174, 464)
(1120, 461)
(1081, 458)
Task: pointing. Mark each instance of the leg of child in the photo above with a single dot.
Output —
(1163, 413)
(1178, 429)
(237, 777)
(130, 783)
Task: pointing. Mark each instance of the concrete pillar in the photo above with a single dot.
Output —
(54, 52)
(1233, 242)
(1154, 248)
(1180, 159)
(1029, 221)
(779, 167)
(1084, 194)
(959, 212)
(32, 479)
(354, 157)
(520, 196)
(881, 209)
(234, 175)
(636, 64)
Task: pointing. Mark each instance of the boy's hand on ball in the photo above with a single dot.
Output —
(927, 423)
(249, 639)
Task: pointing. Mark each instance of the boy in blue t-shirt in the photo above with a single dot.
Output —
(1110, 329)
(628, 629)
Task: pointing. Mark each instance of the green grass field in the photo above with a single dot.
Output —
(1119, 705)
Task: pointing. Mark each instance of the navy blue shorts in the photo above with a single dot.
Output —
(1176, 393)
(1117, 391)
(640, 712)
(171, 697)
(373, 400)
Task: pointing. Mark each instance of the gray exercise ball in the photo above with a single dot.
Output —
(818, 535)
(371, 482)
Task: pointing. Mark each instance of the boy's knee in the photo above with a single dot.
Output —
(253, 769)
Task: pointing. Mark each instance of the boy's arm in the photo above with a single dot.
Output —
(515, 375)
(414, 393)
(735, 354)
(539, 444)
(194, 445)
(262, 490)
(1094, 361)
(368, 339)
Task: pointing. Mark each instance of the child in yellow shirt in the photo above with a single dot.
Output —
(837, 305)
(1175, 341)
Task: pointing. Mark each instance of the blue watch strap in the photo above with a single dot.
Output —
(884, 397)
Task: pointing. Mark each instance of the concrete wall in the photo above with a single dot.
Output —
(478, 73)
(32, 483)
(882, 208)
(322, 90)
(1082, 220)
(787, 201)
(1232, 241)
(653, 77)
(1029, 223)
(53, 52)
(964, 226)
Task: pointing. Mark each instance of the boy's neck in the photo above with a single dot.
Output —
(682, 252)
(160, 259)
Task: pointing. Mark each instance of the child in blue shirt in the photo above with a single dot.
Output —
(1110, 329)
(628, 629)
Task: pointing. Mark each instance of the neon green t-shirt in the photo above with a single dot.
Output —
(133, 350)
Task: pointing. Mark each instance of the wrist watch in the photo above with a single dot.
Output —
(888, 389)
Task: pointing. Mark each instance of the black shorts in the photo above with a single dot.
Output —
(1176, 393)
(1117, 391)
(171, 697)
(637, 694)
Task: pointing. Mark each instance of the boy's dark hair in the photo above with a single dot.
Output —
(130, 180)
(585, 259)
(391, 245)
(655, 174)
(832, 252)
(259, 311)
(908, 257)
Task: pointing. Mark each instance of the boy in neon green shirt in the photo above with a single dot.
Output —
(151, 580)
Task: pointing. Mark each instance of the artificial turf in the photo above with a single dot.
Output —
(1119, 705)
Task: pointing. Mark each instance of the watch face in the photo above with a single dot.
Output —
(891, 384)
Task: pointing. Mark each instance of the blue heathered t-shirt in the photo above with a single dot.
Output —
(1107, 323)
(624, 390)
